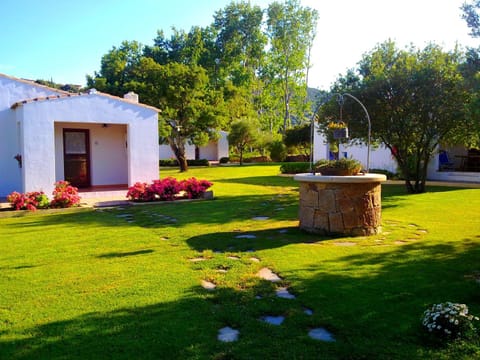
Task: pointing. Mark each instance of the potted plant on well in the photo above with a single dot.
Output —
(342, 167)
(339, 129)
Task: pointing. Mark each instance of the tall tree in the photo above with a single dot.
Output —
(243, 133)
(117, 68)
(471, 16)
(240, 42)
(189, 109)
(416, 101)
(291, 29)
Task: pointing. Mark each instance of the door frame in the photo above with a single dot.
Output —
(87, 153)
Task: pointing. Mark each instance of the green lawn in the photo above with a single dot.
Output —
(119, 283)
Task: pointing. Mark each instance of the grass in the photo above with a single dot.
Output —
(90, 284)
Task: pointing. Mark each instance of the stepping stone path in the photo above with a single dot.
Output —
(246, 236)
(269, 275)
(321, 334)
(227, 334)
(274, 320)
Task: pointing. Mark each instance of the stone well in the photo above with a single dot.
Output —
(347, 205)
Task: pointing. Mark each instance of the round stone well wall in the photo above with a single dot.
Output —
(348, 205)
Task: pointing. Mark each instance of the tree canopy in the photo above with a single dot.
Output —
(416, 101)
(249, 63)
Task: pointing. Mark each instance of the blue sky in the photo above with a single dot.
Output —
(65, 40)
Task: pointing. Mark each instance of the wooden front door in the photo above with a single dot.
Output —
(76, 155)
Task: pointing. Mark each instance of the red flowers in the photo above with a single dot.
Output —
(29, 201)
(64, 196)
(168, 189)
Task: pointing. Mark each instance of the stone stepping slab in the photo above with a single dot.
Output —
(227, 334)
(246, 236)
(208, 285)
(260, 218)
(308, 311)
(273, 320)
(321, 334)
(269, 275)
(282, 292)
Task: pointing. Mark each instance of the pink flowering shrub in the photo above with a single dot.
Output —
(195, 188)
(28, 201)
(64, 195)
(166, 189)
(140, 192)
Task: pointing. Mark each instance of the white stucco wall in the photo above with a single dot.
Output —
(380, 157)
(223, 146)
(90, 111)
(11, 91)
(213, 151)
(165, 152)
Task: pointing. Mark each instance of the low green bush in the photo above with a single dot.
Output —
(390, 175)
(295, 168)
(199, 162)
(191, 162)
(257, 159)
(224, 160)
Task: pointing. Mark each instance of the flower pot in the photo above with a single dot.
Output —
(340, 133)
(332, 171)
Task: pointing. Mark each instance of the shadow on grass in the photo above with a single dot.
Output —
(371, 302)
(263, 181)
(215, 212)
(125, 254)
(252, 240)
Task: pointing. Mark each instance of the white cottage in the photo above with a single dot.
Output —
(91, 140)
(213, 151)
(455, 164)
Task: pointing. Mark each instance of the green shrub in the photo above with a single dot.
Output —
(297, 158)
(257, 159)
(224, 160)
(278, 150)
(168, 162)
(192, 162)
(199, 162)
(295, 168)
(388, 174)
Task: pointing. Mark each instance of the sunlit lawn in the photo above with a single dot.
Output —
(89, 284)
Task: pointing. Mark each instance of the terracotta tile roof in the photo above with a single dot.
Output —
(67, 95)
(33, 83)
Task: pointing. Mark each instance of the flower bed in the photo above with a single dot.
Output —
(168, 189)
(64, 196)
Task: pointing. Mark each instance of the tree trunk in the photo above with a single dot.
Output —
(179, 152)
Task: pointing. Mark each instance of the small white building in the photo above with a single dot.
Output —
(93, 139)
(459, 160)
(213, 151)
